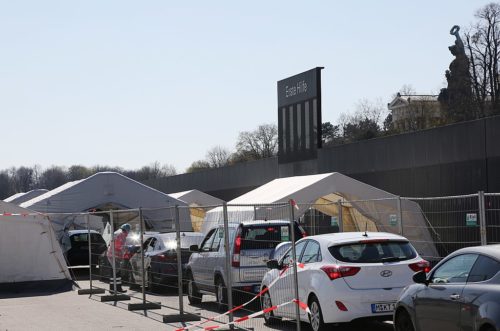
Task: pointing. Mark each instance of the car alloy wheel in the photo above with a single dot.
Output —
(266, 303)
(316, 318)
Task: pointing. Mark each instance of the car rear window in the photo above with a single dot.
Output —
(267, 236)
(169, 240)
(373, 252)
(82, 239)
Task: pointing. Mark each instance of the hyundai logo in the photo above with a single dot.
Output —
(386, 273)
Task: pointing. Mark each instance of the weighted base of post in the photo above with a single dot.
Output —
(179, 318)
(116, 297)
(91, 291)
(144, 306)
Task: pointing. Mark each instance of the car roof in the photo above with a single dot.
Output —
(71, 232)
(173, 235)
(491, 250)
(265, 222)
(331, 239)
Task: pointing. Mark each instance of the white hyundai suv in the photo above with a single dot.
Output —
(342, 277)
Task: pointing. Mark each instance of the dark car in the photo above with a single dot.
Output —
(160, 259)
(462, 292)
(78, 253)
(132, 246)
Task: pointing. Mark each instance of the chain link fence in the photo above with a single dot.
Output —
(223, 272)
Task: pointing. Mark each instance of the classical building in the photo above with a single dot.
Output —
(415, 112)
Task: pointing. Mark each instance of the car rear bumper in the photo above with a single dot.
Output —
(358, 303)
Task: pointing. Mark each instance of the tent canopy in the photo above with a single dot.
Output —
(199, 203)
(19, 198)
(29, 251)
(197, 198)
(112, 191)
(368, 207)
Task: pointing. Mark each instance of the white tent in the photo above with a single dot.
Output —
(199, 203)
(19, 198)
(368, 207)
(111, 191)
(29, 251)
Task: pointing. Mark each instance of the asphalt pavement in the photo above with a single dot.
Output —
(68, 310)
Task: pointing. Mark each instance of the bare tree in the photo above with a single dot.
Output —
(53, 177)
(482, 43)
(258, 144)
(5, 185)
(218, 157)
(198, 166)
(22, 179)
(77, 172)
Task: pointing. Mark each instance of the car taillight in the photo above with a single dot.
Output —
(236, 251)
(420, 266)
(337, 271)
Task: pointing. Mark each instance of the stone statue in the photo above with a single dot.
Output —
(456, 99)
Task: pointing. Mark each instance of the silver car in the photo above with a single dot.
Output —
(251, 244)
(462, 292)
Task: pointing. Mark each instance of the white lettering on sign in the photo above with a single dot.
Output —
(301, 87)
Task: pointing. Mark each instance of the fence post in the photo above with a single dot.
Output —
(229, 280)
(400, 216)
(90, 250)
(112, 226)
(179, 259)
(294, 258)
(482, 219)
(141, 227)
(341, 219)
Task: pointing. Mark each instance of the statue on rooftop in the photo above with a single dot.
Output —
(456, 99)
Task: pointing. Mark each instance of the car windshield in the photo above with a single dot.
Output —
(373, 252)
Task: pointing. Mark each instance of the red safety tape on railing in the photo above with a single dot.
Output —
(211, 319)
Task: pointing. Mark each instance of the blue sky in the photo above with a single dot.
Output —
(127, 83)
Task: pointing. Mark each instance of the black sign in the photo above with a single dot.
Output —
(299, 116)
(298, 88)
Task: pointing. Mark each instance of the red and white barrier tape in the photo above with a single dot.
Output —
(258, 295)
(23, 214)
(302, 306)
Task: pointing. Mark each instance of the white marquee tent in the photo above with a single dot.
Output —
(109, 191)
(29, 250)
(19, 198)
(366, 207)
(199, 203)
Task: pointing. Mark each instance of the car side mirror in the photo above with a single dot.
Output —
(194, 248)
(273, 264)
(420, 278)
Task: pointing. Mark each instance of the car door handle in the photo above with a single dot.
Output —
(455, 296)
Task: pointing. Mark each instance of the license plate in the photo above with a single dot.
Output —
(385, 307)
